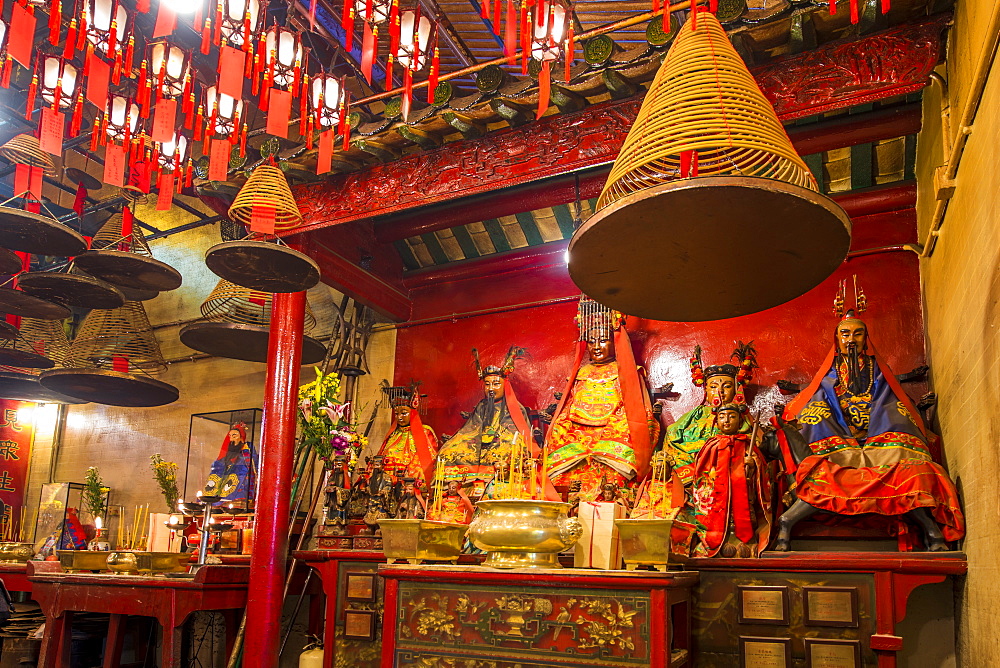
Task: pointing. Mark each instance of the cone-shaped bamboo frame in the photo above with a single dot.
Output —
(42, 337)
(267, 188)
(110, 236)
(703, 99)
(24, 149)
(122, 332)
(229, 302)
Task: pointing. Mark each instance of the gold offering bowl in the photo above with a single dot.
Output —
(16, 553)
(523, 533)
(646, 542)
(83, 560)
(162, 562)
(421, 540)
(123, 562)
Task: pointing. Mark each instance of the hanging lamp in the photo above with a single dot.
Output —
(709, 212)
(112, 361)
(27, 229)
(261, 261)
(237, 326)
(120, 255)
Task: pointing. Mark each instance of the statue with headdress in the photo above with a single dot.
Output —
(233, 476)
(603, 430)
(409, 448)
(497, 427)
(861, 445)
(724, 384)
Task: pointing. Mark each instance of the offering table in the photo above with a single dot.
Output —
(169, 600)
(553, 617)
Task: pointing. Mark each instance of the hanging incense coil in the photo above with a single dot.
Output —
(38, 344)
(71, 288)
(122, 257)
(81, 177)
(20, 386)
(105, 360)
(707, 185)
(24, 149)
(266, 189)
(7, 331)
(38, 234)
(10, 263)
(20, 303)
(237, 326)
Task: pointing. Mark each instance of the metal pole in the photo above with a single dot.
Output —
(270, 538)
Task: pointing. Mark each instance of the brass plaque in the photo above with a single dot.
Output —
(832, 653)
(360, 586)
(359, 624)
(765, 652)
(831, 606)
(763, 605)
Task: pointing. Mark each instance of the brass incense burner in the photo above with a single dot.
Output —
(83, 560)
(162, 562)
(123, 562)
(523, 533)
(646, 542)
(16, 553)
(421, 540)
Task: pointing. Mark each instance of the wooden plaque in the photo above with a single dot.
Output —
(360, 586)
(830, 653)
(762, 605)
(758, 652)
(359, 624)
(830, 606)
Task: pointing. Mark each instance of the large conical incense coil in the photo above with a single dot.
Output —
(237, 326)
(120, 255)
(266, 194)
(703, 99)
(24, 149)
(38, 344)
(110, 351)
(708, 212)
(120, 338)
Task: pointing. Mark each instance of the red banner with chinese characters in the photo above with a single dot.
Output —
(16, 437)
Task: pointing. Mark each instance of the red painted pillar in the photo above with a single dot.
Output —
(270, 537)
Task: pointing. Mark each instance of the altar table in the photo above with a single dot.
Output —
(15, 577)
(169, 600)
(435, 615)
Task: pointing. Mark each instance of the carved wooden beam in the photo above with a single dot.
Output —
(837, 75)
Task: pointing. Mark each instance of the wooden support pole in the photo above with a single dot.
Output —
(270, 539)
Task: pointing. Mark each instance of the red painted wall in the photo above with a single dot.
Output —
(791, 339)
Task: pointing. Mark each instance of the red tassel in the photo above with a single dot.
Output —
(885, 6)
(432, 80)
(394, 29)
(206, 37)
(833, 7)
(854, 12)
(55, 21)
(544, 83)
(497, 13)
(303, 107)
(77, 119)
(217, 28)
(484, 9)
(407, 92)
(32, 89)
(80, 200)
(525, 39)
(368, 46)
(656, 6)
(246, 24)
(570, 49)
(347, 21)
(70, 49)
(5, 73)
(129, 55)
(81, 32)
(713, 6)
(345, 124)
(243, 142)
(127, 217)
(96, 132)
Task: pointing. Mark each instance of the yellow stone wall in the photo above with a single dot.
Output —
(961, 284)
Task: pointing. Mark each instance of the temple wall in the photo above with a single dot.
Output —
(961, 283)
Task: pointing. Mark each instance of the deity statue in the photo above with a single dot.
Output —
(864, 445)
(452, 505)
(338, 496)
(730, 499)
(496, 429)
(723, 383)
(660, 496)
(233, 476)
(603, 427)
(410, 446)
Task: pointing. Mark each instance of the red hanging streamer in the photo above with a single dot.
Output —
(497, 13)
(656, 6)
(407, 92)
(80, 200)
(885, 6)
(510, 33)
(55, 21)
(570, 49)
(833, 7)
(854, 12)
(368, 52)
(544, 84)
(432, 79)
(347, 22)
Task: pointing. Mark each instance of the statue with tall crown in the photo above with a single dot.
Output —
(409, 448)
(603, 430)
(498, 426)
(724, 384)
(861, 445)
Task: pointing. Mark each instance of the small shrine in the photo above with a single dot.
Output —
(499, 333)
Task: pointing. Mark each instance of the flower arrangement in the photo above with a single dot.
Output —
(325, 423)
(166, 477)
(94, 492)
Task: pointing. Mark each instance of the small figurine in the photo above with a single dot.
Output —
(338, 496)
(453, 505)
(412, 505)
(603, 427)
(661, 495)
